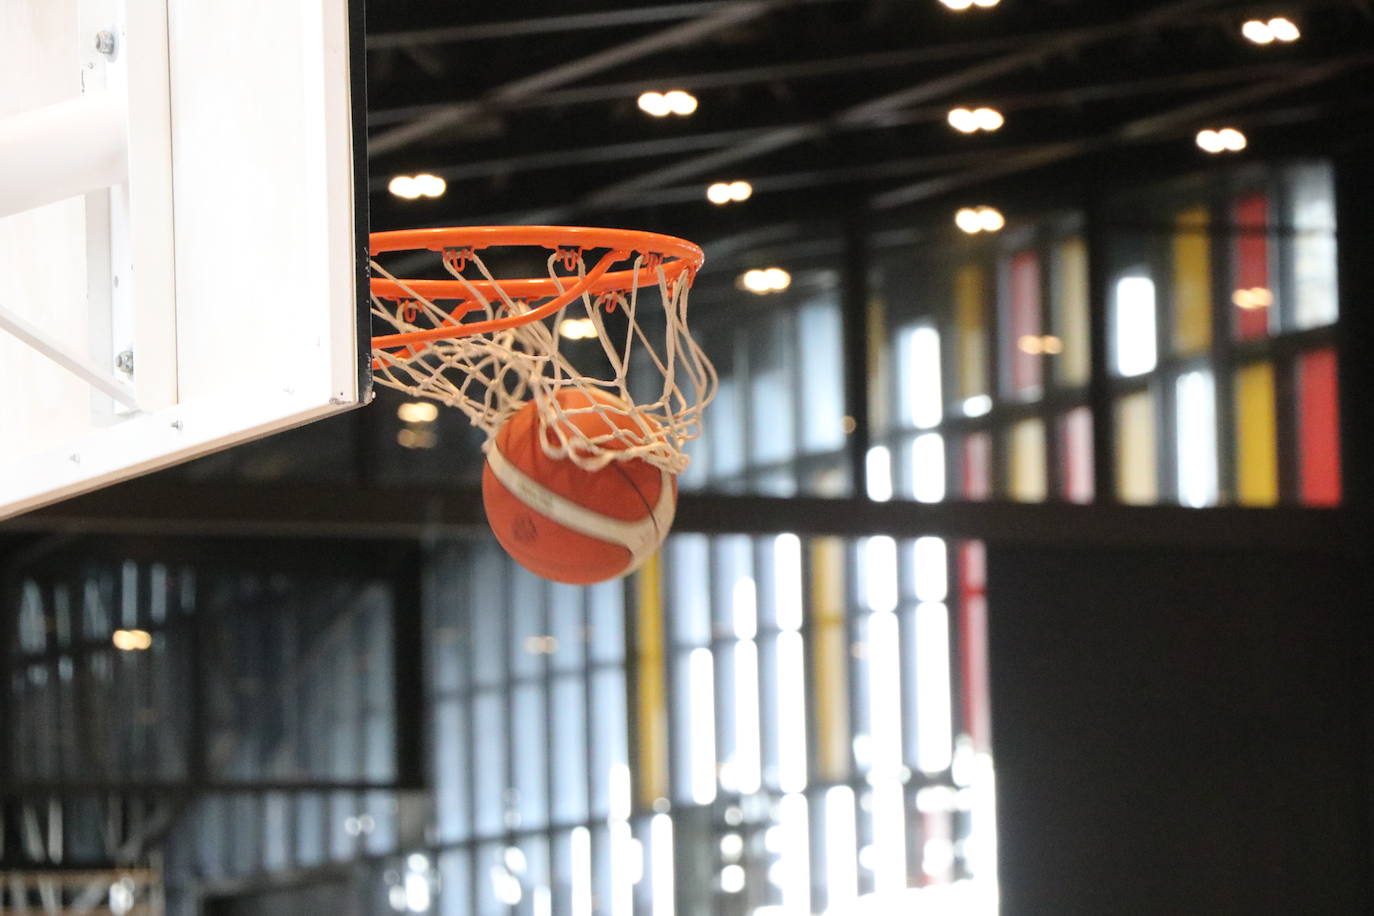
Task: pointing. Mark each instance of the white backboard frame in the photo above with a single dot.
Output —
(222, 258)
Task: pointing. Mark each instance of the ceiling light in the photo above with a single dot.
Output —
(1210, 141)
(577, 328)
(430, 185)
(967, 220)
(986, 4)
(418, 412)
(990, 219)
(653, 103)
(1257, 297)
(957, 5)
(988, 118)
(963, 120)
(1231, 139)
(741, 190)
(1257, 31)
(679, 102)
(403, 186)
(132, 640)
(771, 280)
(718, 193)
(979, 219)
(1283, 29)
(411, 187)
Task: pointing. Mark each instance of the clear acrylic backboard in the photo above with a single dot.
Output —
(183, 231)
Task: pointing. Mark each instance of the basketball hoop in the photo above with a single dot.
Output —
(489, 346)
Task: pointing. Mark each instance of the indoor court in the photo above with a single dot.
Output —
(686, 458)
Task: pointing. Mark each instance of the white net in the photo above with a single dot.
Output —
(636, 316)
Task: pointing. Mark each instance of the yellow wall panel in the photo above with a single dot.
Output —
(1028, 469)
(970, 315)
(651, 689)
(1137, 472)
(1257, 460)
(1071, 312)
(1192, 292)
(830, 660)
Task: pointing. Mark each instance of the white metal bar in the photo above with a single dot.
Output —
(62, 150)
(65, 358)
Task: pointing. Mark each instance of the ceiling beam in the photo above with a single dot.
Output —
(1182, 117)
(721, 18)
(571, 22)
(879, 107)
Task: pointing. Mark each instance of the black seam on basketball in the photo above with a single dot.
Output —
(642, 498)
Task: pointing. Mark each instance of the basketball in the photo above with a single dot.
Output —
(563, 522)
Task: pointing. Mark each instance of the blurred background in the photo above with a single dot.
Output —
(1023, 564)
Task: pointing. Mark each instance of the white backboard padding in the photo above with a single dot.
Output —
(229, 263)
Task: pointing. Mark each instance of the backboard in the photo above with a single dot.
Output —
(183, 231)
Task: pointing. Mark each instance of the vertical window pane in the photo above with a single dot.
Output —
(1257, 465)
(451, 771)
(770, 391)
(970, 297)
(1071, 311)
(1137, 478)
(977, 465)
(568, 746)
(1027, 483)
(608, 751)
(1196, 439)
(928, 468)
(822, 378)
(723, 431)
(1192, 250)
(1022, 356)
(1076, 455)
(490, 785)
(1319, 429)
(1253, 298)
(830, 657)
(919, 369)
(1314, 245)
(530, 744)
(1134, 319)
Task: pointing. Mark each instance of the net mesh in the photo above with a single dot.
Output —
(645, 349)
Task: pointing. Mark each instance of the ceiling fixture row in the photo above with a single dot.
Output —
(662, 104)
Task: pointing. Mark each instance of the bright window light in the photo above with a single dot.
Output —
(580, 859)
(417, 893)
(934, 719)
(748, 776)
(627, 868)
(732, 879)
(889, 837)
(878, 465)
(744, 608)
(793, 867)
(661, 868)
(930, 561)
(841, 848)
(923, 392)
(701, 678)
(885, 695)
(928, 468)
(787, 581)
(1135, 325)
(880, 573)
(791, 680)
(1197, 439)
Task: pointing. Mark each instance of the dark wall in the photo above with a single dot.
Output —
(331, 898)
(1180, 731)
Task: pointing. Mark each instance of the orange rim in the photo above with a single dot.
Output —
(686, 257)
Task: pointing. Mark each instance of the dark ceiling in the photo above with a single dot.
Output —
(827, 106)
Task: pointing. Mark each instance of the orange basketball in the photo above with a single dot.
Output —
(565, 523)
